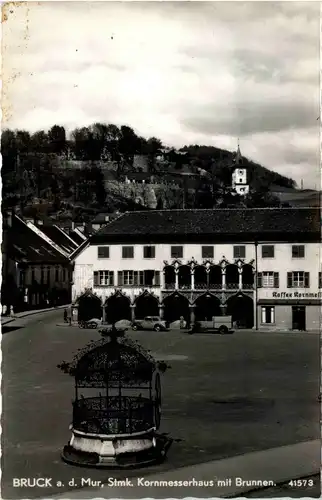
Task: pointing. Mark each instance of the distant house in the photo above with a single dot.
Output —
(102, 219)
(36, 271)
(140, 163)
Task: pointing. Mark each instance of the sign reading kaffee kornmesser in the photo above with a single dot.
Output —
(297, 295)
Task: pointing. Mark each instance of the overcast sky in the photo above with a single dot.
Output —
(193, 72)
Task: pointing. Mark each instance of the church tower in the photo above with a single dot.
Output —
(239, 176)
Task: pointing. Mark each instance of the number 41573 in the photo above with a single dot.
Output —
(301, 483)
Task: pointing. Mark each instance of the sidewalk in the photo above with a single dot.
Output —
(278, 465)
(23, 314)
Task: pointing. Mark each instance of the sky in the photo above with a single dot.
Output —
(185, 72)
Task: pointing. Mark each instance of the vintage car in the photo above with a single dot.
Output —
(92, 323)
(150, 323)
(219, 324)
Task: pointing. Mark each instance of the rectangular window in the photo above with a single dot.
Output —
(320, 280)
(298, 252)
(128, 278)
(268, 251)
(268, 315)
(268, 279)
(103, 278)
(298, 279)
(139, 278)
(103, 252)
(149, 252)
(176, 252)
(207, 252)
(63, 274)
(127, 252)
(42, 275)
(239, 252)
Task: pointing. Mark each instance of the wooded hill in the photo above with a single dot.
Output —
(34, 165)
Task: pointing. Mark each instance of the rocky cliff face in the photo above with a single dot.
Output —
(148, 195)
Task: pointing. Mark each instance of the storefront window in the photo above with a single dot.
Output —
(268, 315)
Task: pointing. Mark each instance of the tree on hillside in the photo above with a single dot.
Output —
(23, 142)
(39, 142)
(128, 144)
(261, 197)
(153, 148)
(57, 139)
(113, 135)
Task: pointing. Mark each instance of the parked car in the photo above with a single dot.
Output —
(150, 323)
(219, 324)
(92, 323)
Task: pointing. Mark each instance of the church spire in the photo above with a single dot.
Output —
(238, 158)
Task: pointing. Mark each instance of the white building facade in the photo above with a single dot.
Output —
(262, 283)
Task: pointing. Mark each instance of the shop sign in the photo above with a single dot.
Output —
(297, 295)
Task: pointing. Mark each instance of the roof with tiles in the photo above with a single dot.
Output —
(216, 224)
(59, 237)
(25, 246)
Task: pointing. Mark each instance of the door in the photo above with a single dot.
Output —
(147, 323)
(298, 318)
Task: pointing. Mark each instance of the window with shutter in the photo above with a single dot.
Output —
(96, 283)
(320, 280)
(157, 278)
(127, 252)
(289, 280)
(149, 252)
(207, 252)
(298, 252)
(276, 280)
(259, 280)
(268, 251)
(103, 252)
(119, 278)
(306, 280)
(176, 252)
(239, 252)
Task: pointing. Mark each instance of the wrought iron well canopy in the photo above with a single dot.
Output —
(117, 406)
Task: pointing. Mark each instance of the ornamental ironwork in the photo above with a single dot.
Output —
(117, 387)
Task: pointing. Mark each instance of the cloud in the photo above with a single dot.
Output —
(187, 72)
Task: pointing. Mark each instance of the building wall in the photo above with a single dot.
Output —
(162, 252)
(284, 263)
(283, 318)
(64, 275)
(313, 317)
(88, 262)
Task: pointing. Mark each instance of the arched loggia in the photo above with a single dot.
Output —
(207, 306)
(146, 305)
(89, 307)
(117, 307)
(241, 308)
(175, 307)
